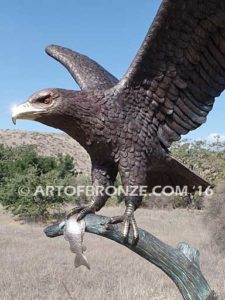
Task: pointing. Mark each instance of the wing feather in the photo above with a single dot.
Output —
(88, 74)
(180, 65)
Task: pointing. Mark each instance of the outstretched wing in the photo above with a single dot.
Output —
(180, 67)
(86, 72)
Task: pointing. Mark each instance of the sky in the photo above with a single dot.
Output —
(109, 32)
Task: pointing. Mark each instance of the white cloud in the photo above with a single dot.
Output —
(212, 137)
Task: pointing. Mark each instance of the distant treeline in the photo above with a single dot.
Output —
(207, 159)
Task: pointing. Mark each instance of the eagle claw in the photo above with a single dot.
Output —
(82, 211)
(129, 221)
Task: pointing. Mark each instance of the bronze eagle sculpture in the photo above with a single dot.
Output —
(128, 125)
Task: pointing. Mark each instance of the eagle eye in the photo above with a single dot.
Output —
(45, 99)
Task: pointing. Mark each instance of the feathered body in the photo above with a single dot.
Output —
(127, 126)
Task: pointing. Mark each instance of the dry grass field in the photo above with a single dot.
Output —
(35, 267)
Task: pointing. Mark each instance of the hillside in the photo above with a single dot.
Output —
(206, 159)
(49, 144)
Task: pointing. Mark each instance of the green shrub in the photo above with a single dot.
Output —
(24, 176)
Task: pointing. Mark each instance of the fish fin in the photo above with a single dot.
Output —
(81, 260)
(84, 248)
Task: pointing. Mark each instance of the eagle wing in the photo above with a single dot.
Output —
(88, 74)
(180, 67)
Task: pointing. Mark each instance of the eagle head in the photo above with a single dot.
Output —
(68, 110)
(40, 105)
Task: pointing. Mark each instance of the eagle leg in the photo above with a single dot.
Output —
(129, 222)
(104, 177)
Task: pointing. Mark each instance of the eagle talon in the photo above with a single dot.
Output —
(82, 211)
(85, 211)
(74, 211)
(129, 221)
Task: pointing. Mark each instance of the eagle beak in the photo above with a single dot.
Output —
(25, 111)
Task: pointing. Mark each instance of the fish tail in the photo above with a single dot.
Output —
(81, 260)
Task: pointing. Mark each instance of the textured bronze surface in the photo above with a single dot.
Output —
(127, 126)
